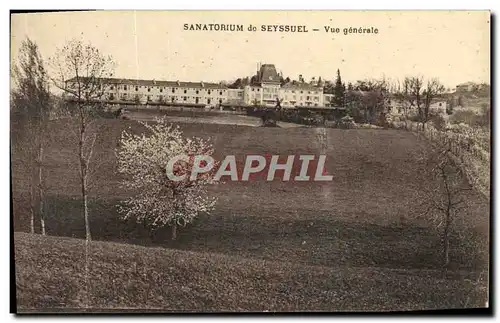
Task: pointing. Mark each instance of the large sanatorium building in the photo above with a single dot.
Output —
(264, 92)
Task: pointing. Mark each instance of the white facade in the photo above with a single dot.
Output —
(436, 106)
(289, 95)
(177, 94)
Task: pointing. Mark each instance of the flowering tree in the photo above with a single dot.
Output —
(166, 191)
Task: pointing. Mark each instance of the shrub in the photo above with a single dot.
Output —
(439, 122)
(346, 122)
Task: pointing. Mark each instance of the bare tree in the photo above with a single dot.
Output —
(402, 96)
(444, 200)
(30, 106)
(420, 97)
(368, 96)
(433, 90)
(414, 96)
(81, 73)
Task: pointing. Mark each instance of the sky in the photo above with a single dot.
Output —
(451, 45)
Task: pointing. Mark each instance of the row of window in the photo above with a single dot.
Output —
(308, 98)
(151, 98)
(270, 90)
(275, 90)
(126, 95)
(127, 88)
(294, 103)
(302, 92)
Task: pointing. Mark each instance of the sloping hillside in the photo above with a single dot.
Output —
(363, 222)
(50, 275)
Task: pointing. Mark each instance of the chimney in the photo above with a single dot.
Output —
(154, 82)
(178, 83)
(202, 84)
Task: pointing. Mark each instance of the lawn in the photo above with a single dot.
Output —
(353, 243)
(50, 277)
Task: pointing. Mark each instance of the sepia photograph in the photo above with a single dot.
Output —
(169, 161)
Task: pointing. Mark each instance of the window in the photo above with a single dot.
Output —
(253, 89)
(149, 97)
(301, 92)
(209, 91)
(173, 90)
(220, 101)
(185, 98)
(112, 87)
(197, 100)
(220, 93)
(197, 92)
(185, 91)
(161, 90)
(125, 87)
(149, 89)
(111, 96)
(137, 88)
(208, 101)
(440, 104)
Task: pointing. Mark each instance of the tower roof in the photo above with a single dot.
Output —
(268, 74)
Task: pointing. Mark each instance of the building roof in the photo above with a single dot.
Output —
(268, 74)
(138, 82)
(466, 84)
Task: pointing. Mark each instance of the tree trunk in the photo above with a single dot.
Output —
(83, 179)
(87, 274)
(32, 206)
(446, 245)
(86, 209)
(83, 182)
(40, 186)
(174, 231)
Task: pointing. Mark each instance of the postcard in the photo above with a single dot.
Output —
(250, 161)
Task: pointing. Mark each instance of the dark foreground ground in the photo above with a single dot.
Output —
(355, 243)
(50, 272)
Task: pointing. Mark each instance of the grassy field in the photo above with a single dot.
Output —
(353, 243)
(50, 273)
